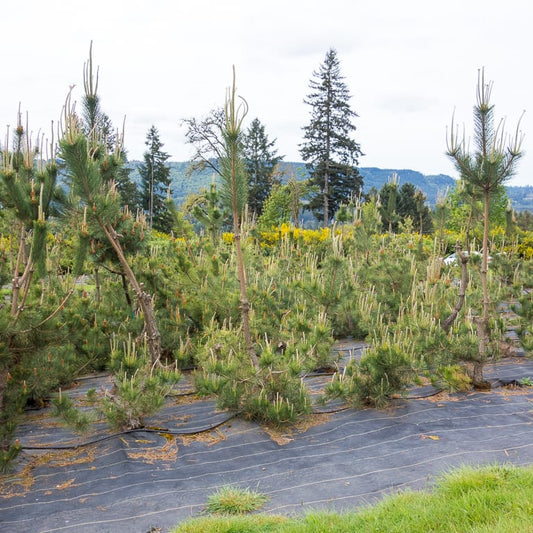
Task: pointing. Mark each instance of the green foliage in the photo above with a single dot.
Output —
(139, 388)
(276, 209)
(274, 393)
(235, 501)
(9, 452)
(208, 211)
(452, 378)
(75, 419)
(392, 280)
(383, 371)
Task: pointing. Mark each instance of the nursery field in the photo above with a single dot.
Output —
(153, 354)
(336, 458)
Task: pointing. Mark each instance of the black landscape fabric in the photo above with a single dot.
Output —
(151, 480)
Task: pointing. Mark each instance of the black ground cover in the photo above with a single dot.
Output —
(150, 480)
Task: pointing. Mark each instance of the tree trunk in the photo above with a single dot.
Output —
(326, 199)
(151, 331)
(482, 323)
(21, 283)
(484, 268)
(245, 305)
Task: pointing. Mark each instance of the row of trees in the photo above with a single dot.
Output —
(330, 153)
(331, 157)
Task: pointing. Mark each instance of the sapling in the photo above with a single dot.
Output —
(92, 169)
(485, 170)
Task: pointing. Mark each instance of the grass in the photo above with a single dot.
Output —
(234, 501)
(492, 499)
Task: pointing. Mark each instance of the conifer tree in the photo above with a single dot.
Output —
(29, 186)
(234, 193)
(98, 127)
(92, 170)
(207, 210)
(329, 151)
(155, 182)
(411, 203)
(261, 162)
(485, 170)
(28, 175)
(388, 195)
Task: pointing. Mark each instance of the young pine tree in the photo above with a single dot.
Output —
(485, 170)
(92, 169)
(234, 193)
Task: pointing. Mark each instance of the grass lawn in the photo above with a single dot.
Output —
(492, 499)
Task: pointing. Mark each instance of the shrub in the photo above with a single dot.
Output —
(383, 371)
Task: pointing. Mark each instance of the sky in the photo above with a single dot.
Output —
(409, 66)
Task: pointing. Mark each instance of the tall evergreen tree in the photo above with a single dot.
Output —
(155, 181)
(126, 187)
(261, 160)
(331, 155)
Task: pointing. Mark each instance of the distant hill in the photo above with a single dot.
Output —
(431, 186)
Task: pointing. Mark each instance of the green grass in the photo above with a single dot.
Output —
(492, 499)
(234, 501)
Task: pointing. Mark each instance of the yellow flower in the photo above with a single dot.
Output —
(227, 238)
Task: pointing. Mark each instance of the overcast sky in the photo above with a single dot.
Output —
(408, 65)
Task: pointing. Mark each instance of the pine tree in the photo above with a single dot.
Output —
(485, 171)
(28, 179)
(127, 188)
(235, 194)
(97, 126)
(261, 161)
(331, 155)
(92, 170)
(388, 195)
(155, 182)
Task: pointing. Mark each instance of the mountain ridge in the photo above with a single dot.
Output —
(431, 185)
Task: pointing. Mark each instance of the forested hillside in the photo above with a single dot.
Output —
(183, 184)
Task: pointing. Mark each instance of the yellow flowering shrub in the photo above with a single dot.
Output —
(227, 237)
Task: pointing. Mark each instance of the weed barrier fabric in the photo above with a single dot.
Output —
(144, 480)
